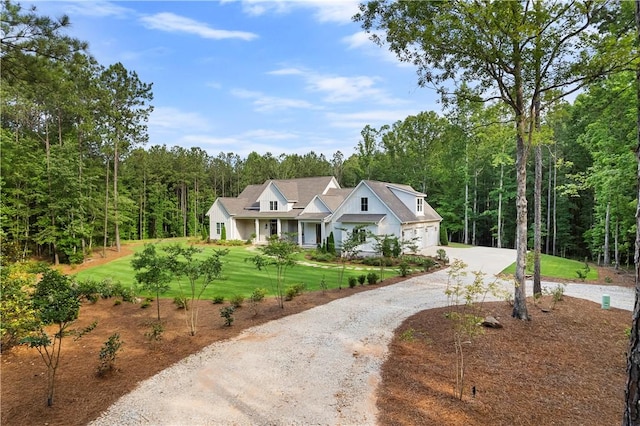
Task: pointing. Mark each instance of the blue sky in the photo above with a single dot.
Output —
(242, 76)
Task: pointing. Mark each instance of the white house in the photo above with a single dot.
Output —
(314, 207)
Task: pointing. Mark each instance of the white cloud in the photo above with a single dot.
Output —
(264, 103)
(361, 41)
(171, 22)
(336, 11)
(267, 134)
(169, 118)
(341, 89)
(375, 118)
(98, 9)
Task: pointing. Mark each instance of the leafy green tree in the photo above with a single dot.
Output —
(56, 304)
(278, 253)
(631, 413)
(16, 310)
(153, 272)
(350, 247)
(200, 273)
(124, 111)
(510, 52)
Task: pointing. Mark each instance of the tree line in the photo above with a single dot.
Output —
(78, 172)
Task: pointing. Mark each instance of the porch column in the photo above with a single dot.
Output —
(279, 228)
(300, 225)
(257, 229)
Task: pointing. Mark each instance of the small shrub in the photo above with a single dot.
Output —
(258, 295)
(181, 302)
(290, 293)
(441, 255)
(372, 278)
(320, 256)
(236, 301)
(145, 304)
(117, 302)
(361, 279)
(323, 285)
(353, 281)
(408, 335)
(428, 263)
(582, 273)
(294, 290)
(108, 354)
(218, 300)
(227, 314)
(557, 294)
(404, 269)
(155, 333)
(608, 280)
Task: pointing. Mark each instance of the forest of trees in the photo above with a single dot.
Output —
(79, 173)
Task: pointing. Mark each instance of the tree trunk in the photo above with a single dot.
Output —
(475, 207)
(519, 295)
(115, 194)
(466, 194)
(537, 221)
(500, 206)
(106, 211)
(555, 198)
(606, 248)
(631, 415)
(546, 248)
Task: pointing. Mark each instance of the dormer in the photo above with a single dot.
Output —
(273, 199)
(412, 199)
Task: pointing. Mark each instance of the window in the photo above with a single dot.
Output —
(273, 205)
(219, 226)
(364, 204)
(419, 205)
(362, 235)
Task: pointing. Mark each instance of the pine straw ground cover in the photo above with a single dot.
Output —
(564, 367)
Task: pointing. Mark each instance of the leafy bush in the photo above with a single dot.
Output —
(428, 263)
(258, 295)
(353, 281)
(361, 279)
(227, 314)
(319, 256)
(372, 278)
(18, 316)
(441, 255)
(156, 331)
(181, 302)
(444, 239)
(108, 354)
(294, 290)
(404, 269)
(236, 300)
(218, 300)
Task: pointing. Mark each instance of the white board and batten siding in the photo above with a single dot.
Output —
(217, 214)
(272, 194)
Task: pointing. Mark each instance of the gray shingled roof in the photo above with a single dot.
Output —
(381, 189)
(299, 191)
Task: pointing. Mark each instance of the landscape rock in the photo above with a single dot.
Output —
(491, 322)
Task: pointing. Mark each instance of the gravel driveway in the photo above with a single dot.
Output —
(318, 367)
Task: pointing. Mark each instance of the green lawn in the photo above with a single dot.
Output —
(240, 277)
(557, 267)
(459, 245)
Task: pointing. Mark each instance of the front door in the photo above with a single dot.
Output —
(318, 233)
(273, 229)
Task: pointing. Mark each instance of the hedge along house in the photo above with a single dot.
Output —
(314, 207)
